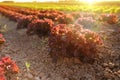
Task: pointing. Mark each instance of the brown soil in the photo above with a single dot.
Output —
(32, 49)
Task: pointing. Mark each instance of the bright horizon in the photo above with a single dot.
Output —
(57, 0)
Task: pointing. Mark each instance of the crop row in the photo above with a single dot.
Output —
(69, 35)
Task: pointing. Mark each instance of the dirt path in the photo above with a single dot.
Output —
(34, 50)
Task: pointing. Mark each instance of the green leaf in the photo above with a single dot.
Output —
(27, 64)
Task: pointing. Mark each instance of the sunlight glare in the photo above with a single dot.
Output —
(85, 1)
(90, 2)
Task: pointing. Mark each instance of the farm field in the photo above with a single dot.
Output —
(72, 6)
(62, 41)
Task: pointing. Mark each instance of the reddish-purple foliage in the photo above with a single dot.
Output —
(73, 41)
(2, 39)
(7, 66)
(65, 19)
(87, 22)
(24, 21)
(109, 18)
(39, 26)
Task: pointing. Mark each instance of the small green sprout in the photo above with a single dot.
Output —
(104, 37)
(3, 28)
(27, 64)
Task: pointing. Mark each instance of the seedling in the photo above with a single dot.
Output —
(104, 37)
(27, 64)
(3, 28)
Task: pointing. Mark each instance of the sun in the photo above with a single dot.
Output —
(88, 1)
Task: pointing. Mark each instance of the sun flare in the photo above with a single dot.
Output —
(85, 1)
(88, 1)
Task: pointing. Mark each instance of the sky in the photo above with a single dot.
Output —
(56, 0)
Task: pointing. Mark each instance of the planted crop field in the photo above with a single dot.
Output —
(59, 41)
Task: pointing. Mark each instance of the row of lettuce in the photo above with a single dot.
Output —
(8, 67)
(70, 34)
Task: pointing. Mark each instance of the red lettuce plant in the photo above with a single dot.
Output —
(7, 66)
(109, 18)
(87, 22)
(39, 26)
(56, 16)
(10, 14)
(65, 19)
(2, 40)
(48, 15)
(73, 41)
(25, 20)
